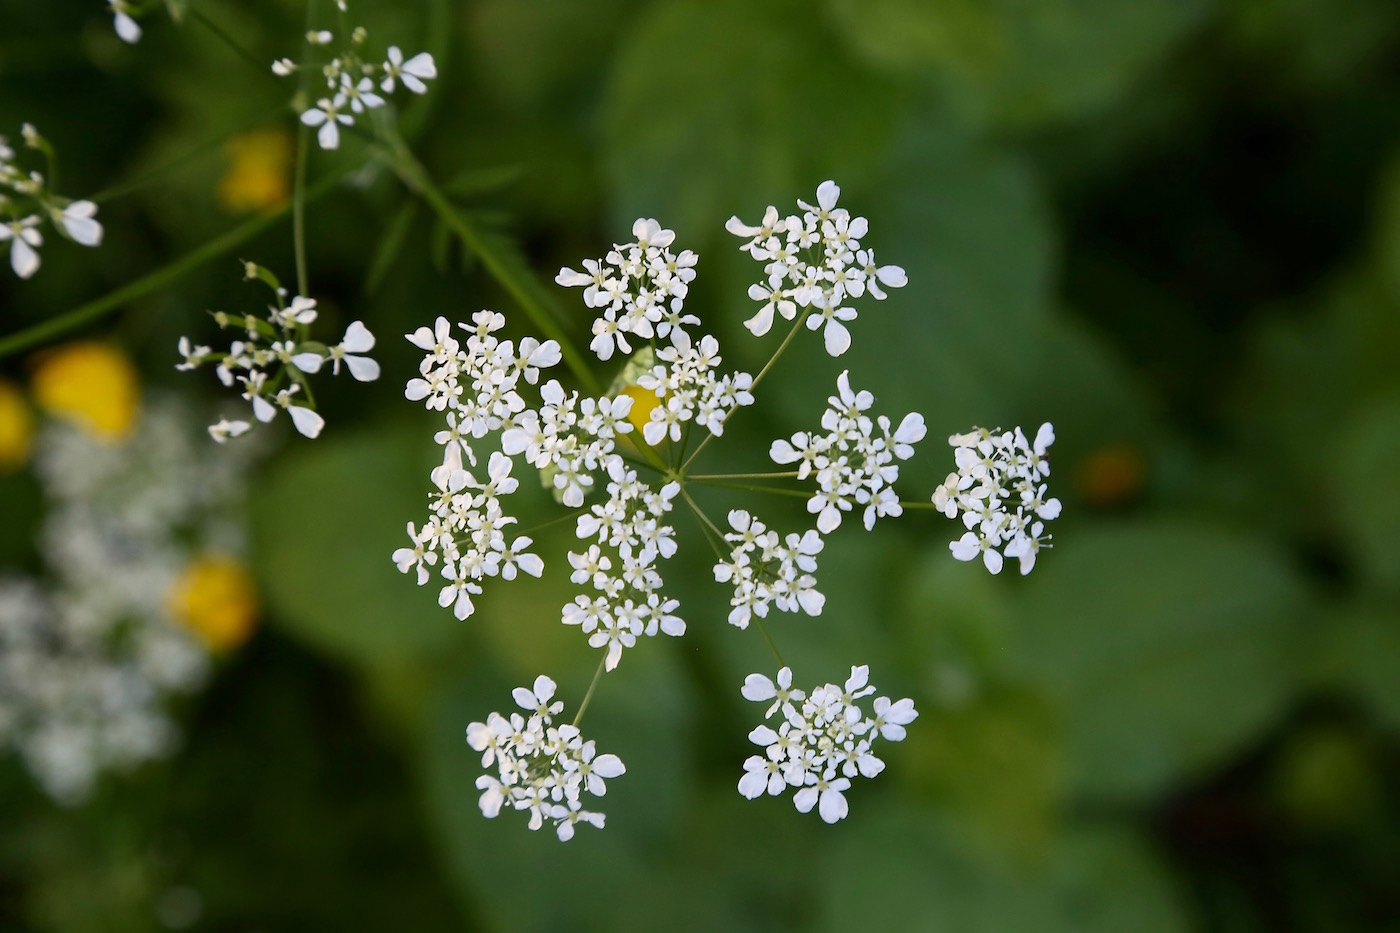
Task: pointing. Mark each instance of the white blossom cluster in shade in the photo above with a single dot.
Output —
(769, 570)
(570, 440)
(26, 201)
(814, 262)
(353, 83)
(640, 287)
(89, 651)
(541, 767)
(273, 362)
(1001, 493)
(824, 739)
(854, 461)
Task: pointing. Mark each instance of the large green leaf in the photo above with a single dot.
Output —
(1365, 486)
(1167, 646)
(1017, 63)
(325, 522)
(716, 105)
(896, 869)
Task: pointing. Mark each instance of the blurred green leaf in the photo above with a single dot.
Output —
(715, 106)
(1012, 63)
(1363, 658)
(324, 523)
(390, 246)
(1167, 646)
(895, 869)
(1365, 486)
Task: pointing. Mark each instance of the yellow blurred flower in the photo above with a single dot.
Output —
(643, 401)
(16, 428)
(259, 172)
(91, 384)
(215, 598)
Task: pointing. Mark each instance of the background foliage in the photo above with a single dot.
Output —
(1173, 228)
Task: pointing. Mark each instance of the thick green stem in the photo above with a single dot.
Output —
(514, 281)
(113, 301)
(702, 477)
(750, 487)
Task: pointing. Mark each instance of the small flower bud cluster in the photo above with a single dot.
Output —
(1000, 491)
(823, 740)
(273, 362)
(640, 288)
(26, 201)
(630, 603)
(353, 85)
(854, 461)
(814, 262)
(541, 767)
(92, 648)
(687, 388)
(768, 570)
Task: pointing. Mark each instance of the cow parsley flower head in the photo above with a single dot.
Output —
(1000, 492)
(813, 264)
(540, 767)
(853, 461)
(27, 201)
(769, 570)
(353, 82)
(275, 356)
(824, 739)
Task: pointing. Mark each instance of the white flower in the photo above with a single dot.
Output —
(999, 493)
(193, 355)
(328, 116)
(127, 28)
(357, 340)
(412, 73)
(78, 220)
(543, 768)
(283, 67)
(25, 241)
(360, 95)
(823, 739)
(224, 429)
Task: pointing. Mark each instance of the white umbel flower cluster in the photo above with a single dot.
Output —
(824, 740)
(26, 201)
(854, 462)
(814, 263)
(640, 287)
(89, 653)
(353, 83)
(273, 362)
(541, 767)
(1000, 491)
(769, 570)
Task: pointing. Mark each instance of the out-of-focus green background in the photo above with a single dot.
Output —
(1172, 227)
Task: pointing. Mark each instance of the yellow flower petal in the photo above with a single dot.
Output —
(643, 401)
(91, 384)
(16, 428)
(259, 172)
(215, 598)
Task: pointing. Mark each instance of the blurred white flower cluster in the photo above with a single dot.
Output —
(26, 202)
(90, 651)
(814, 262)
(541, 767)
(824, 739)
(353, 84)
(1000, 491)
(272, 363)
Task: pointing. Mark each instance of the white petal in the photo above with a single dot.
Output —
(362, 368)
(128, 29)
(23, 258)
(358, 339)
(308, 422)
(609, 766)
(308, 362)
(838, 339)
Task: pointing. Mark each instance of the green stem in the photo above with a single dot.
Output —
(549, 524)
(771, 647)
(587, 697)
(95, 310)
(416, 177)
(796, 326)
(701, 477)
(299, 210)
(749, 487)
(200, 17)
(919, 505)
